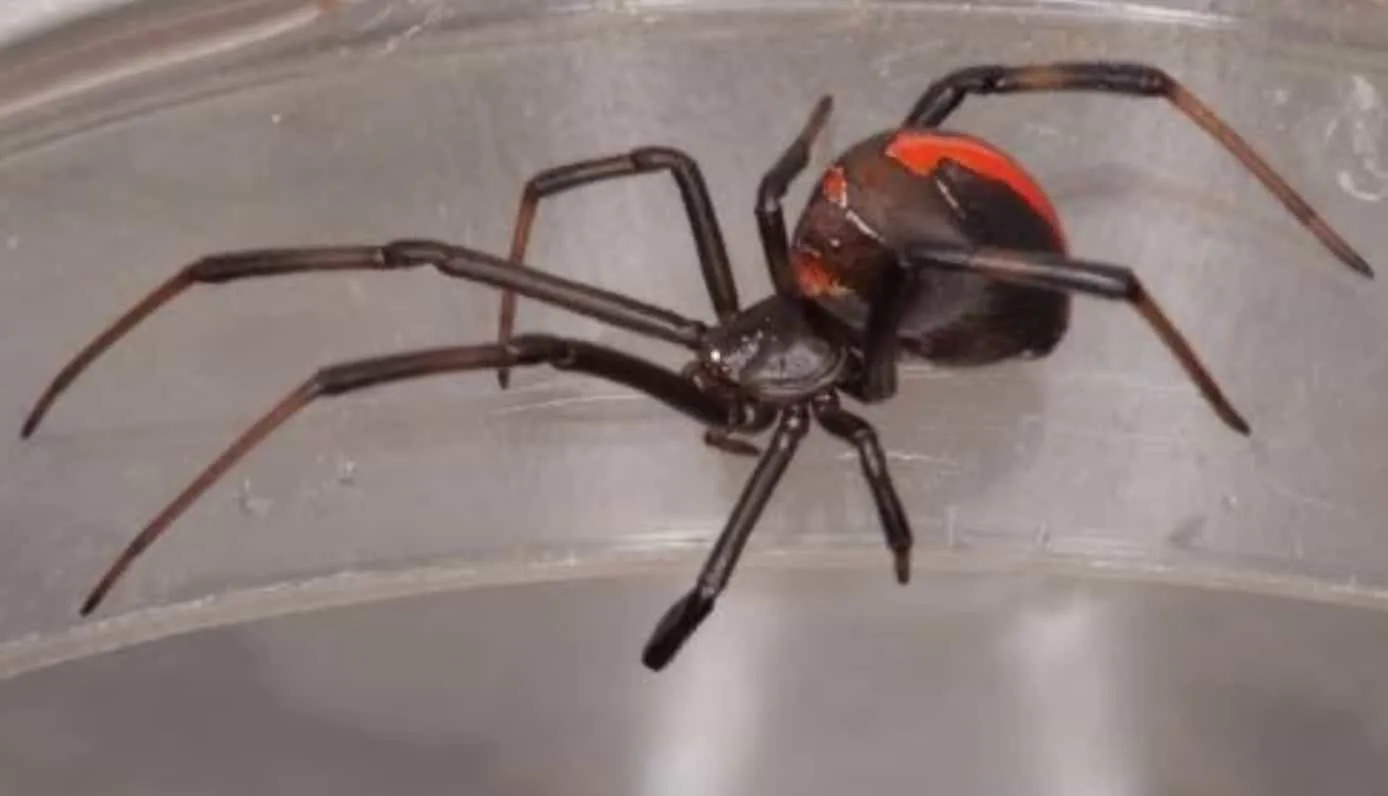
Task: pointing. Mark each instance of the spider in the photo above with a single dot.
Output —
(916, 242)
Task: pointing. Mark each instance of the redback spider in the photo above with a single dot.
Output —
(917, 242)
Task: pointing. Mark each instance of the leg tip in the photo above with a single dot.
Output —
(89, 604)
(902, 560)
(675, 628)
(1238, 424)
(503, 378)
(1351, 258)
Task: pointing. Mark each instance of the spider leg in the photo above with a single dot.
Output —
(703, 220)
(454, 261)
(684, 617)
(1058, 272)
(722, 439)
(860, 434)
(771, 219)
(942, 97)
(565, 354)
(881, 343)
(728, 439)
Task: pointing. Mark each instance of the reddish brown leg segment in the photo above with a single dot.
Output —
(1057, 272)
(454, 261)
(942, 97)
(703, 220)
(670, 388)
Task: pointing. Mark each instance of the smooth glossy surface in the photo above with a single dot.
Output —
(807, 682)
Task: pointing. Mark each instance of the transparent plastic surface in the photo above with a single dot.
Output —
(135, 137)
(812, 680)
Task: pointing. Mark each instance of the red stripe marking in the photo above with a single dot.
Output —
(922, 151)
(814, 277)
(836, 186)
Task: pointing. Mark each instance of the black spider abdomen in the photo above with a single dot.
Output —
(991, 320)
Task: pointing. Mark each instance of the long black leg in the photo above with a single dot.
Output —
(771, 219)
(942, 97)
(454, 261)
(857, 432)
(1057, 272)
(703, 220)
(881, 341)
(663, 385)
(683, 618)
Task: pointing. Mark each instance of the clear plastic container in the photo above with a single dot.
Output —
(1115, 594)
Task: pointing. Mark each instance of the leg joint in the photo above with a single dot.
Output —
(413, 253)
(662, 157)
(796, 422)
(1129, 286)
(980, 79)
(768, 198)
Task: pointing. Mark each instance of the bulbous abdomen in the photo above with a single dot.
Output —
(893, 190)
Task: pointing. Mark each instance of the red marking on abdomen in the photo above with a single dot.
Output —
(921, 152)
(814, 278)
(836, 186)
